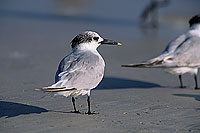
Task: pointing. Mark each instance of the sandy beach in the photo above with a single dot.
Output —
(36, 35)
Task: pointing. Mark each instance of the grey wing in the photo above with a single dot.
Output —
(183, 51)
(64, 64)
(188, 53)
(170, 48)
(84, 72)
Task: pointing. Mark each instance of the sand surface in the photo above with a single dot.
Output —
(35, 35)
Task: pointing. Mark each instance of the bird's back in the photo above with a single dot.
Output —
(80, 70)
(170, 48)
(181, 51)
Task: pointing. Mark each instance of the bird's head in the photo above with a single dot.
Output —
(90, 40)
(194, 20)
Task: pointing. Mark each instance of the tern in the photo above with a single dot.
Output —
(182, 55)
(82, 70)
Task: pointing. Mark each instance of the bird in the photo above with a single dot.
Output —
(181, 55)
(82, 70)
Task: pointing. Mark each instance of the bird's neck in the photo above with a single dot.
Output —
(195, 30)
(86, 47)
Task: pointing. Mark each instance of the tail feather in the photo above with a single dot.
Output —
(153, 64)
(135, 65)
(50, 89)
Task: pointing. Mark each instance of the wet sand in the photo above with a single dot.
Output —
(32, 42)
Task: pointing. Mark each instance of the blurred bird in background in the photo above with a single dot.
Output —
(149, 16)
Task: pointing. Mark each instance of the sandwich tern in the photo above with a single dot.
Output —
(181, 55)
(81, 70)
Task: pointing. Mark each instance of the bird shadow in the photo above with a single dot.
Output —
(13, 109)
(119, 83)
(196, 97)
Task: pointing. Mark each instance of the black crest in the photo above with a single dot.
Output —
(81, 38)
(194, 20)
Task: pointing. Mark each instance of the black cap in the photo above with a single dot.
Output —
(194, 20)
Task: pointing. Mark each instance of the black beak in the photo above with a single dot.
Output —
(110, 42)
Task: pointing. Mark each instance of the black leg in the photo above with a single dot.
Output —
(74, 105)
(88, 101)
(196, 82)
(181, 82)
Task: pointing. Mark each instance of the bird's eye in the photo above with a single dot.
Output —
(96, 38)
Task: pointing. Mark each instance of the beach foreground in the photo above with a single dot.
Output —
(32, 42)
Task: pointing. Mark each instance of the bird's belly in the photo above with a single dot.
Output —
(181, 70)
